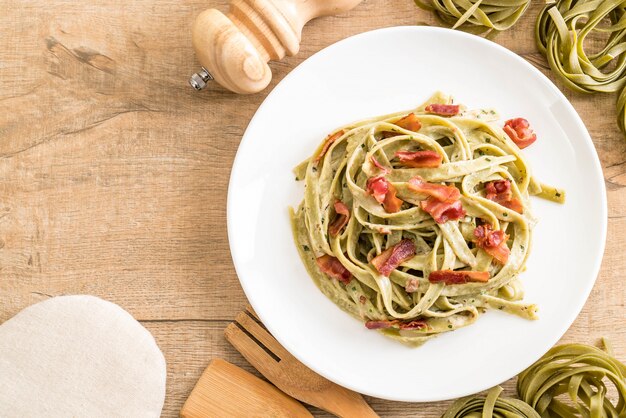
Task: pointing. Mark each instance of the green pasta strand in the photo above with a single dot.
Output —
(477, 16)
(563, 30)
(490, 406)
(571, 381)
(475, 151)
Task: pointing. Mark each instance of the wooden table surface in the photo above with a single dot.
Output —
(114, 171)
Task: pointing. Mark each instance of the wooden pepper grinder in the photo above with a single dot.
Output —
(234, 49)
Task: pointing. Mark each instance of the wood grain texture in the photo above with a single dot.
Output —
(114, 171)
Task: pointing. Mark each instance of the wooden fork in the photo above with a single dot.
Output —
(261, 349)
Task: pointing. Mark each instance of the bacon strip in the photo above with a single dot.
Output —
(341, 220)
(443, 212)
(407, 325)
(458, 277)
(500, 192)
(384, 192)
(438, 191)
(392, 203)
(519, 131)
(327, 143)
(412, 285)
(442, 109)
(384, 170)
(443, 203)
(392, 257)
(419, 159)
(377, 187)
(410, 122)
(333, 267)
(493, 242)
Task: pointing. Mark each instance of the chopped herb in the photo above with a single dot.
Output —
(505, 214)
(522, 247)
(488, 140)
(305, 248)
(363, 146)
(501, 307)
(450, 326)
(314, 169)
(493, 112)
(488, 159)
(558, 194)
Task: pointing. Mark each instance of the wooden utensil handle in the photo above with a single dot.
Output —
(235, 48)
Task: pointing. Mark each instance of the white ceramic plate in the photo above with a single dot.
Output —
(380, 72)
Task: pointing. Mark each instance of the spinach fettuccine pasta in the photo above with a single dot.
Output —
(584, 42)
(477, 16)
(491, 405)
(574, 380)
(416, 222)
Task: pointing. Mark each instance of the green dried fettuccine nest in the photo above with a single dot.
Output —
(566, 28)
(477, 16)
(490, 406)
(571, 381)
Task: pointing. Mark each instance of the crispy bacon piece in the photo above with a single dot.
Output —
(500, 192)
(412, 285)
(379, 324)
(327, 143)
(443, 203)
(419, 159)
(437, 191)
(458, 277)
(519, 131)
(333, 267)
(384, 170)
(443, 212)
(406, 325)
(341, 220)
(385, 193)
(392, 203)
(442, 109)
(493, 242)
(378, 188)
(409, 122)
(392, 257)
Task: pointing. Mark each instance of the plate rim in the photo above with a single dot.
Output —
(466, 37)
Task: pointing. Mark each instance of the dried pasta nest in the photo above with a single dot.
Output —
(571, 381)
(564, 31)
(490, 406)
(477, 16)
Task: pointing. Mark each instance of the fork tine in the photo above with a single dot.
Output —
(261, 334)
(253, 352)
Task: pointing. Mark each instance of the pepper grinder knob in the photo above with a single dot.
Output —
(234, 49)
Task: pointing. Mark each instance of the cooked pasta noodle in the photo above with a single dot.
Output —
(449, 237)
(569, 381)
(490, 406)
